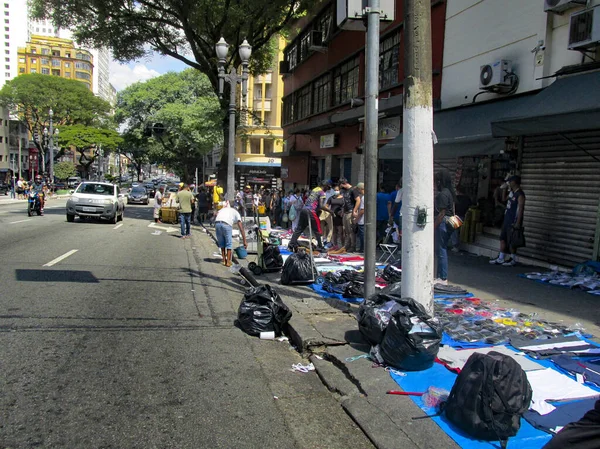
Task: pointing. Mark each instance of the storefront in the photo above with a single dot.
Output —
(258, 174)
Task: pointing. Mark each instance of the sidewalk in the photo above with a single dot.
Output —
(8, 200)
(326, 331)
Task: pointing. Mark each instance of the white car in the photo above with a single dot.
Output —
(100, 200)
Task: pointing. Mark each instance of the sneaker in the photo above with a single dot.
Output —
(341, 250)
(455, 250)
(510, 263)
(497, 261)
(441, 281)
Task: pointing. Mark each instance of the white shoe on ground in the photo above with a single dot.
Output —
(497, 261)
(510, 263)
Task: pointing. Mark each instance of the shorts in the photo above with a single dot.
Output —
(224, 235)
(505, 232)
(157, 212)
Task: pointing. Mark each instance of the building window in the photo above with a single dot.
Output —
(268, 146)
(45, 51)
(33, 71)
(67, 74)
(83, 56)
(21, 60)
(6, 21)
(45, 61)
(6, 29)
(324, 24)
(322, 94)
(82, 65)
(268, 118)
(55, 72)
(33, 61)
(67, 65)
(34, 51)
(82, 76)
(45, 71)
(288, 110)
(6, 5)
(37, 29)
(292, 56)
(6, 44)
(304, 44)
(7, 74)
(254, 146)
(22, 70)
(345, 81)
(7, 67)
(389, 51)
(6, 13)
(7, 59)
(56, 63)
(55, 53)
(6, 36)
(303, 102)
(67, 55)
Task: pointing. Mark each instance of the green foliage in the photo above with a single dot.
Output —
(32, 96)
(89, 141)
(186, 105)
(186, 30)
(64, 170)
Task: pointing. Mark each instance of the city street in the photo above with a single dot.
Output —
(122, 336)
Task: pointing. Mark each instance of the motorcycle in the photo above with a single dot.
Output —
(34, 205)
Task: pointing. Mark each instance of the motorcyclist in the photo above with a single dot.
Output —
(39, 187)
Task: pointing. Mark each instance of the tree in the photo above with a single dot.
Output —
(187, 108)
(89, 142)
(64, 170)
(32, 96)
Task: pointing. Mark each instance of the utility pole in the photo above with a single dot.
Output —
(371, 137)
(417, 197)
(20, 149)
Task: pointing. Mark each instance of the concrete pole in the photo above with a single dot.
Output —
(371, 132)
(418, 232)
(51, 142)
(230, 192)
(20, 149)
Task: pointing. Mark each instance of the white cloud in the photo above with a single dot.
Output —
(122, 75)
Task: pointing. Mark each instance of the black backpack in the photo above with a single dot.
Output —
(488, 397)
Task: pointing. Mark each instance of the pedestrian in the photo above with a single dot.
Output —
(203, 206)
(395, 205)
(224, 221)
(383, 214)
(359, 217)
(248, 202)
(185, 199)
(335, 203)
(445, 200)
(350, 200)
(309, 216)
(193, 191)
(20, 189)
(158, 198)
(217, 195)
(513, 219)
(296, 205)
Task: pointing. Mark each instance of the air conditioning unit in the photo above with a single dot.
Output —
(316, 41)
(559, 6)
(493, 75)
(284, 67)
(584, 30)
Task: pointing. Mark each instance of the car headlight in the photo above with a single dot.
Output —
(107, 201)
(73, 200)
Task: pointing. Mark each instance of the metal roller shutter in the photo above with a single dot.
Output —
(562, 186)
(448, 163)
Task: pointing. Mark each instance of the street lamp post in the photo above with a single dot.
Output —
(49, 138)
(222, 48)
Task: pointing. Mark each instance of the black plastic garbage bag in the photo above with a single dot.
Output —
(412, 339)
(272, 257)
(297, 269)
(262, 310)
(374, 315)
(392, 274)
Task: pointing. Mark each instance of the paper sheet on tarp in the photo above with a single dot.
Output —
(439, 376)
(458, 358)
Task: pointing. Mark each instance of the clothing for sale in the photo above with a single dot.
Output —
(561, 416)
(457, 359)
(550, 385)
(582, 434)
(313, 202)
(540, 349)
(589, 369)
(449, 289)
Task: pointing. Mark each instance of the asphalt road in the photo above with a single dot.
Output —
(122, 337)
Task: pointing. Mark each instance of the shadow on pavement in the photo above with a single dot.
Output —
(29, 275)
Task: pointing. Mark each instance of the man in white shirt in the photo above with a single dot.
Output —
(158, 197)
(224, 221)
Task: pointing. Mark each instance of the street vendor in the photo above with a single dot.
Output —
(224, 222)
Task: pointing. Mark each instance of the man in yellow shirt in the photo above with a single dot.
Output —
(217, 195)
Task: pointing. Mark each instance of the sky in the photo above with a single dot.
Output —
(123, 75)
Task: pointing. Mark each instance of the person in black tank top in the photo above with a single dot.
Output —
(513, 219)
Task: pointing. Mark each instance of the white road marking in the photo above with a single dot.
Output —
(167, 229)
(58, 259)
(21, 221)
(118, 226)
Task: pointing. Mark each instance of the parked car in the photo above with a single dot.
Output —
(150, 188)
(137, 194)
(99, 200)
(60, 186)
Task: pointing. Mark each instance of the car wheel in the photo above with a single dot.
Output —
(70, 218)
(122, 214)
(114, 218)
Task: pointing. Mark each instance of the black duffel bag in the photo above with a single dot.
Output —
(412, 339)
(298, 268)
(262, 310)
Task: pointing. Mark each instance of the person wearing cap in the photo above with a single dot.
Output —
(351, 196)
(513, 219)
(310, 214)
(248, 202)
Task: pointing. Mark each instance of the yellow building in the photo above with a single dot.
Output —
(261, 134)
(55, 56)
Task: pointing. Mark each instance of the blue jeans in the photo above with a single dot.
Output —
(224, 235)
(441, 250)
(184, 219)
(361, 238)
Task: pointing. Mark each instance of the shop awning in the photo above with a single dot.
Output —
(569, 104)
(258, 164)
(464, 131)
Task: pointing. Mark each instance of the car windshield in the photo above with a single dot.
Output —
(138, 190)
(96, 189)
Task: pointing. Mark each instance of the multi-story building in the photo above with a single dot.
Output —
(14, 149)
(323, 104)
(261, 136)
(58, 57)
(14, 18)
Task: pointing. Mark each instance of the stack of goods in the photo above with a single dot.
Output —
(585, 276)
(348, 283)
